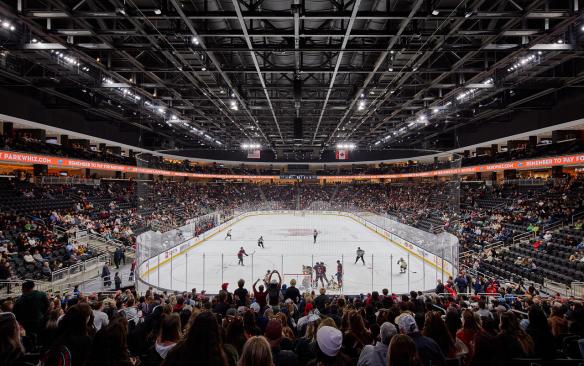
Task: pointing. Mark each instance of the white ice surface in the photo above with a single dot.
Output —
(289, 245)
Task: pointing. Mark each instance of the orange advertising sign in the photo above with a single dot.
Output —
(25, 158)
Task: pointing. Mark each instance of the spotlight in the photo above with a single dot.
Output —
(34, 40)
(435, 12)
(203, 68)
(157, 11)
(195, 40)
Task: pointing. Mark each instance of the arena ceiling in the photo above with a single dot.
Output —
(219, 73)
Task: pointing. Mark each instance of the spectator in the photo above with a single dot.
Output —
(558, 323)
(117, 281)
(471, 327)
(241, 294)
(72, 341)
(202, 344)
(377, 355)
(256, 352)
(539, 331)
(274, 336)
(428, 350)
(329, 341)
(292, 292)
(435, 328)
(402, 352)
(357, 336)
(11, 348)
(31, 308)
(259, 294)
(110, 346)
(100, 319)
(168, 336)
(512, 341)
(321, 300)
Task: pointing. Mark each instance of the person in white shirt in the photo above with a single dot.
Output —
(100, 319)
(28, 258)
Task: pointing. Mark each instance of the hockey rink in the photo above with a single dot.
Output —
(288, 241)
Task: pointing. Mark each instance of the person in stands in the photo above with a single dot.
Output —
(11, 348)
(256, 352)
(31, 308)
(202, 343)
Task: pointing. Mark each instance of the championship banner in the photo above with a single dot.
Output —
(254, 154)
(342, 155)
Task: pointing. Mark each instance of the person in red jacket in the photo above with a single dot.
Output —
(450, 289)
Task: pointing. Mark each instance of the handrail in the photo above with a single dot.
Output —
(577, 215)
(79, 267)
(522, 236)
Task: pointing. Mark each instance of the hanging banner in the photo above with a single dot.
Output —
(342, 155)
(254, 154)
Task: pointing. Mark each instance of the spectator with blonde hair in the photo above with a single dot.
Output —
(256, 352)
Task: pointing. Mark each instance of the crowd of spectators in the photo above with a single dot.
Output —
(479, 215)
(280, 326)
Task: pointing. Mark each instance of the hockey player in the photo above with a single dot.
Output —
(403, 265)
(315, 234)
(360, 254)
(339, 273)
(240, 255)
(228, 234)
(261, 242)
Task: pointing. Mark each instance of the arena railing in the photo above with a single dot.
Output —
(577, 216)
(577, 289)
(50, 179)
(81, 269)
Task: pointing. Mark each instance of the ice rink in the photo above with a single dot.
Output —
(288, 241)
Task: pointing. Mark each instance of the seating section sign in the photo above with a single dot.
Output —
(25, 158)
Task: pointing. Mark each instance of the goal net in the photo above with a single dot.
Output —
(303, 280)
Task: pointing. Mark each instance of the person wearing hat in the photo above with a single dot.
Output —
(273, 334)
(428, 350)
(229, 294)
(377, 355)
(292, 292)
(329, 341)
